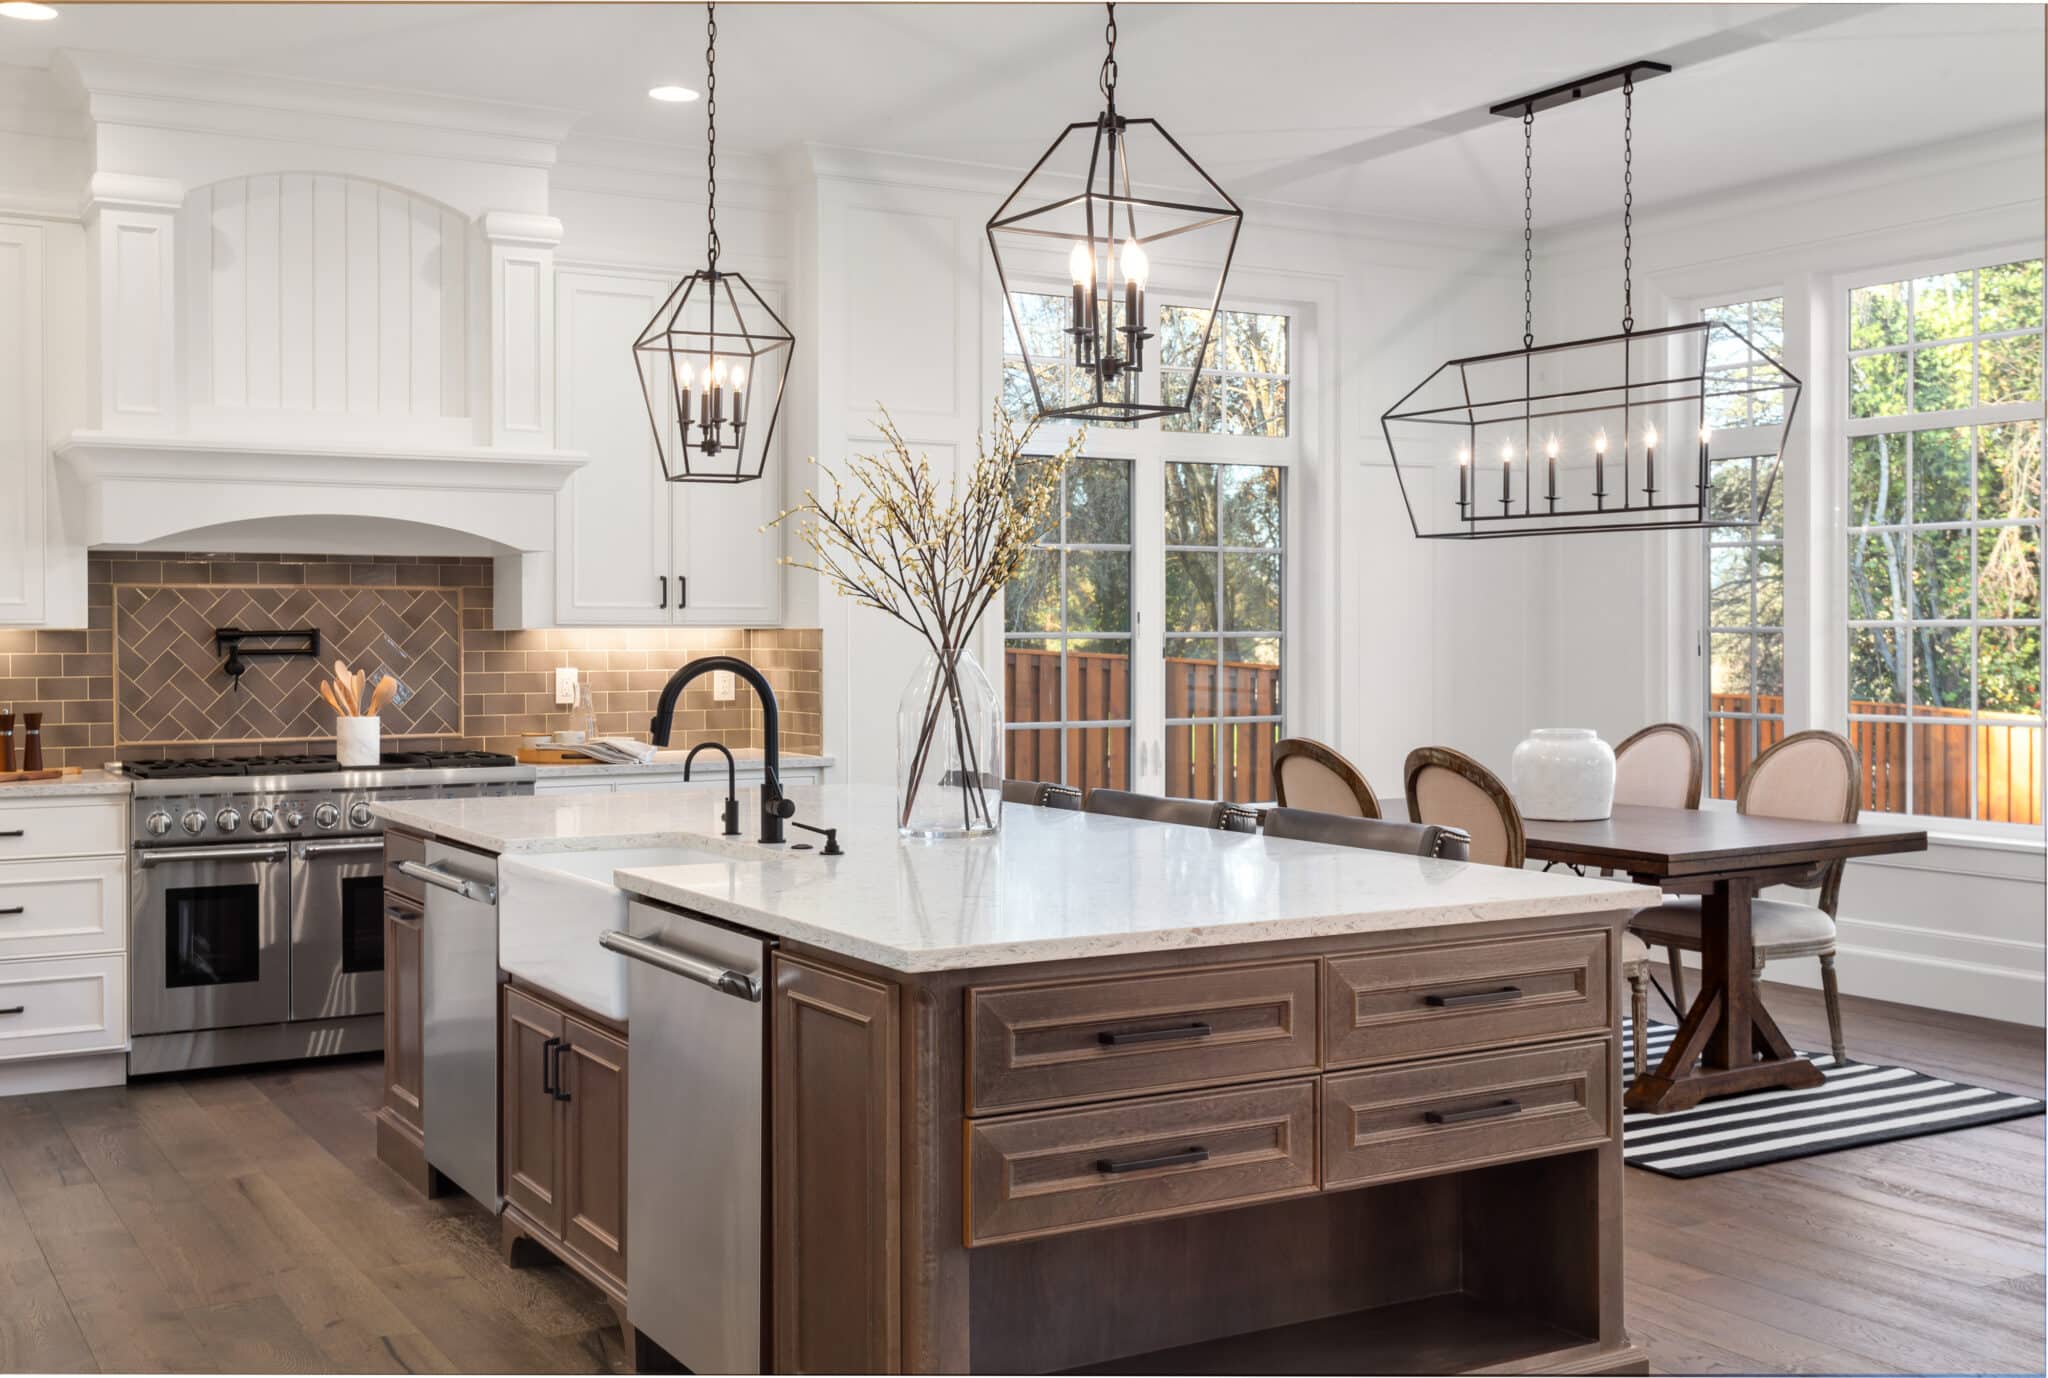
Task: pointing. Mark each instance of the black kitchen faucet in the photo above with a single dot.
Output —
(774, 808)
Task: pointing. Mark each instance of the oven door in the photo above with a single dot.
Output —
(337, 927)
(209, 949)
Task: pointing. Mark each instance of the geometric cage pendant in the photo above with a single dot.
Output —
(713, 363)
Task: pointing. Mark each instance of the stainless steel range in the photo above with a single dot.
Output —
(258, 901)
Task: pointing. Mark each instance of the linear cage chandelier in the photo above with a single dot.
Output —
(1612, 433)
(716, 354)
(1091, 208)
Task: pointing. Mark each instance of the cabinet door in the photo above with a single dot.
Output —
(834, 1176)
(613, 535)
(403, 1060)
(24, 460)
(728, 570)
(532, 1116)
(594, 1143)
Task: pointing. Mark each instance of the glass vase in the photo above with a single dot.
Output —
(949, 750)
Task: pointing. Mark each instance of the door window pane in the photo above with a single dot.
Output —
(1745, 592)
(1244, 380)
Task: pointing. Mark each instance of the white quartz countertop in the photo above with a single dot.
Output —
(84, 783)
(1054, 885)
(669, 761)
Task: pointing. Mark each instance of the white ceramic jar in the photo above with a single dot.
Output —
(1564, 774)
(356, 741)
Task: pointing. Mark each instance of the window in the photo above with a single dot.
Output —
(1745, 564)
(1222, 646)
(1944, 577)
(1046, 321)
(1067, 638)
(1244, 384)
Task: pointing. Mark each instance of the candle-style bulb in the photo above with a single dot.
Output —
(716, 373)
(1600, 443)
(1081, 264)
(1507, 452)
(1464, 459)
(1706, 434)
(1650, 436)
(739, 377)
(1135, 265)
(1550, 448)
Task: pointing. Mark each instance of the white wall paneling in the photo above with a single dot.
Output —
(132, 225)
(520, 265)
(24, 465)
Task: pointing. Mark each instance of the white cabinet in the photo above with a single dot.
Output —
(631, 548)
(24, 460)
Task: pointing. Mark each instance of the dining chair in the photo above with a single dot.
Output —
(1446, 786)
(1635, 965)
(1808, 775)
(1041, 793)
(1377, 834)
(1660, 766)
(1309, 775)
(1193, 813)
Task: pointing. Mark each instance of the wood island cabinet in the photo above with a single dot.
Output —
(401, 1137)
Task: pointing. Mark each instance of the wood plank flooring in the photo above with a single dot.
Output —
(240, 1222)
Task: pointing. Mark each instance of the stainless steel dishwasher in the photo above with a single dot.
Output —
(459, 1017)
(695, 1137)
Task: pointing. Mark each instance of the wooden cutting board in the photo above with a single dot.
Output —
(23, 777)
(555, 756)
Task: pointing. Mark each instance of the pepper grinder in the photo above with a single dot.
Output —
(32, 741)
(6, 741)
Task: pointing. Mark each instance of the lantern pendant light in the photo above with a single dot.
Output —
(1598, 411)
(714, 360)
(1091, 210)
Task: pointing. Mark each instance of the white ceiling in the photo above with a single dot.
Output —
(1374, 108)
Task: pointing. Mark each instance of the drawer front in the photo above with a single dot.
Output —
(404, 847)
(1060, 1041)
(1465, 1111)
(63, 1005)
(1413, 1002)
(1063, 1170)
(70, 905)
(95, 826)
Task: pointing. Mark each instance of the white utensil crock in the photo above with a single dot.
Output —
(1563, 774)
(356, 741)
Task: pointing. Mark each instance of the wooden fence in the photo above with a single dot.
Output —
(1203, 760)
(2008, 758)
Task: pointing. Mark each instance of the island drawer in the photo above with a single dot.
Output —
(1056, 1171)
(1397, 1004)
(1465, 1111)
(399, 847)
(1053, 1042)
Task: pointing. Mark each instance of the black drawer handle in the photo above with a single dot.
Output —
(12, 909)
(1497, 1111)
(10, 832)
(15, 1009)
(1187, 1157)
(547, 1065)
(1117, 1038)
(561, 1051)
(1464, 998)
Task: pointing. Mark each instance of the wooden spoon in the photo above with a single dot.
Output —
(343, 688)
(381, 695)
(327, 692)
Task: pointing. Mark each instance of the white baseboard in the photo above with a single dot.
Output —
(74, 1072)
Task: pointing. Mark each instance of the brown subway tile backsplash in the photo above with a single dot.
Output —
(144, 679)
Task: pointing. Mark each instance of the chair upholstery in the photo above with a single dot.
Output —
(1378, 834)
(1659, 766)
(1309, 775)
(1193, 813)
(1781, 928)
(1041, 793)
(1449, 787)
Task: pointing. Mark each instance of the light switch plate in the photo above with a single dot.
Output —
(565, 686)
(722, 686)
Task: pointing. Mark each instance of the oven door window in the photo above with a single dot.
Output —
(213, 935)
(362, 923)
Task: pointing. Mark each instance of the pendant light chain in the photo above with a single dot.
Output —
(711, 133)
(1529, 228)
(1108, 81)
(1628, 205)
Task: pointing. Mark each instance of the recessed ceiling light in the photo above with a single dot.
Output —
(671, 94)
(26, 9)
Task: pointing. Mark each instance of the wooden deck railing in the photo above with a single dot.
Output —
(2008, 758)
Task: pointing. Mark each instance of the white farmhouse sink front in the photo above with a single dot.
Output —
(551, 908)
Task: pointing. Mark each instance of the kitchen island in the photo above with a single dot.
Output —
(1106, 1093)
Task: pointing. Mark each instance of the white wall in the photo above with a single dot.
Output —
(1960, 927)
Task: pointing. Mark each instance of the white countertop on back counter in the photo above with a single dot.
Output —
(84, 783)
(1054, 885)
(710, 766)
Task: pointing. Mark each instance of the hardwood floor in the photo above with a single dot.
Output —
(240, 1222)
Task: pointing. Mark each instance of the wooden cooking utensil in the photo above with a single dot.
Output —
(327, 692)
(344, 689)
(381, 695)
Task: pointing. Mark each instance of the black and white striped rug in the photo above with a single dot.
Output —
(1860, 1104)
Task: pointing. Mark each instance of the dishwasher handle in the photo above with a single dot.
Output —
(681, 964)
(469, 889)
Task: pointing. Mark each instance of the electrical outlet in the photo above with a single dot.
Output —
(722, 686)
(565, 686)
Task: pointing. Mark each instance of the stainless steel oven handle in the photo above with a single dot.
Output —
(681, 964)
(159, 855)
(306, 851)
(468, 889)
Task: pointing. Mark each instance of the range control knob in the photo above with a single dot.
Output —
(326, 815)
(294, 816)
(157, 823)
(227, 820)
(194, 821)
(260, 820)
(359, 815)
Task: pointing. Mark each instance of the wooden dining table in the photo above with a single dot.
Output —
(1728, 1041)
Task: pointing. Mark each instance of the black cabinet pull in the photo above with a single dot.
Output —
(1186, 1157)
(547, 1065)
(682, 590)
(1117, 1038)
(1464, 998)
(1498, 1110)
(11, 909)
(14, 1009)
(561, 1051)
(10, 832)
(664, 591)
